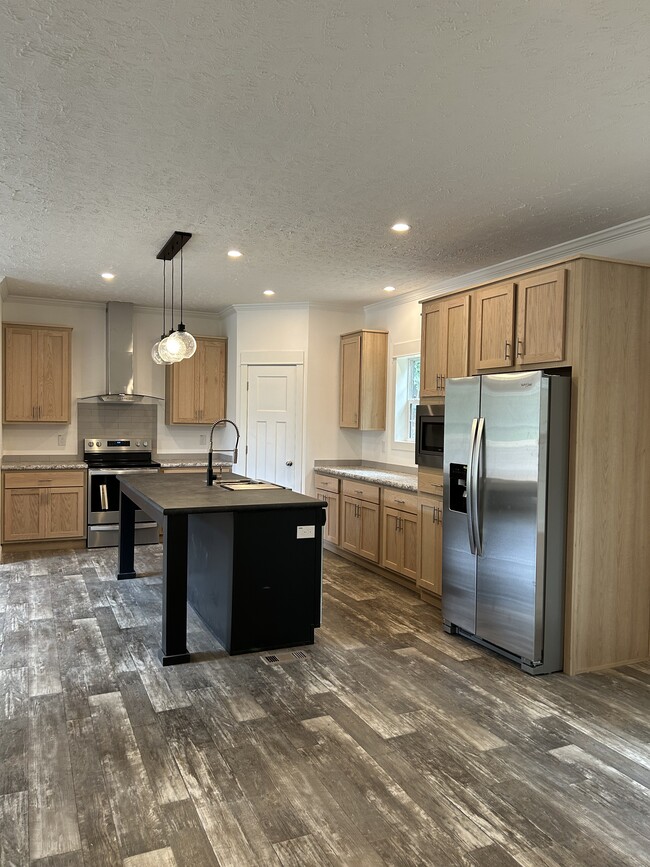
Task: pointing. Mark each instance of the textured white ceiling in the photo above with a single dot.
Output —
(300, 131)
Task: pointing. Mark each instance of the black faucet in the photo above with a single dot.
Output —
(210, 478)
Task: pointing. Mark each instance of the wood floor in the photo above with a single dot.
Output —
(388, 743)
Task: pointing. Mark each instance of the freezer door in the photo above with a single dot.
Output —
(462, 401)
(512, 495)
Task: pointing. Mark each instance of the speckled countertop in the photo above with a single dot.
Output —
(36, 462)
(375, 475)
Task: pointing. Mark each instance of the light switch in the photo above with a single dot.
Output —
(307, 532)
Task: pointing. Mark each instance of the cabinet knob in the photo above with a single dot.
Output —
(289, 463)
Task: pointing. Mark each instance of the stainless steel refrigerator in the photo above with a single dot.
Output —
(504, 528)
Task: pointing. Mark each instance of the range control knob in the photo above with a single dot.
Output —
(137, 444)
(145, 444)
(98, 443)
(90, 444)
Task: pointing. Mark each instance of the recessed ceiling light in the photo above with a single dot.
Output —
(234, 254)
(400, 227)
(269, 292)
(108, 276)
(389, 288)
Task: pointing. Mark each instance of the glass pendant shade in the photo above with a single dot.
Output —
(155, 354)
(172, 348)
(188, 341)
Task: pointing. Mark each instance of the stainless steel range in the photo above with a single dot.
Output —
(107, 460)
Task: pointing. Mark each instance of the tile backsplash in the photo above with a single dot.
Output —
(113, 420)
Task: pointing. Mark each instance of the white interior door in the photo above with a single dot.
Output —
(272, 424)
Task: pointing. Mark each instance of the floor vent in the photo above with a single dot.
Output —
(284, 656)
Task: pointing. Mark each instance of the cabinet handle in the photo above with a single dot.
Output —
(399, 501)
(358, 492)
(438, 386)
(507, 350)
(520, 352)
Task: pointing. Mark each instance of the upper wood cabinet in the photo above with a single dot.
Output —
(445, 343)
(364, 370)
(195, 388)
(541, 306)
(36, 374)
(536, 335)
(493, 324)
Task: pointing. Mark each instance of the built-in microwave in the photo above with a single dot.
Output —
(429, 434)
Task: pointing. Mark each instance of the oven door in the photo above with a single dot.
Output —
(429, 435)
(104, 496)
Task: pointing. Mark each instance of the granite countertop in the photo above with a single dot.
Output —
(35, 462)
(375, 475)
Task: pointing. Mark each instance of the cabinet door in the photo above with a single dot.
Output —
(53, 375)
(211, 379)
(409, 533)
(350, 380)
(456, 337)
(20, 373)
(331, 528)
(391, 545)
(350, 524)
(23, 514)
(369, 531)
(432, 367)
(541, 303)
(180, 394)
(63, 513)
(430, 545)
(493, 319)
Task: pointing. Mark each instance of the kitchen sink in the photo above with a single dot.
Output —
(249, 485)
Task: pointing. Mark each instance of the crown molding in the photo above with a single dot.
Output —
(527, 262)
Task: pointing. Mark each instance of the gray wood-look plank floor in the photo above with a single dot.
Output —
(389, 743)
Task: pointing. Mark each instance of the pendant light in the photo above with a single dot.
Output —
(180, 341)
(178, 344)
(155, 350)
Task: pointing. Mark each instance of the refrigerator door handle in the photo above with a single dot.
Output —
(469, 490)
(474, 472)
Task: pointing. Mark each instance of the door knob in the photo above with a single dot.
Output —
(289, 463)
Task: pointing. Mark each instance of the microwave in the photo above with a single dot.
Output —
(429, 435)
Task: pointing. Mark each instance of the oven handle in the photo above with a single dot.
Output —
(106, 471)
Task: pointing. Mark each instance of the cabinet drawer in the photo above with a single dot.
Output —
(327, 483)
(430, 482)
(403, 500)
(45, 479)
(361, 490)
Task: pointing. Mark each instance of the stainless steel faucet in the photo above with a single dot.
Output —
(210, 478)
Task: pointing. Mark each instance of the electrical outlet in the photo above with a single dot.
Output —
(202, 439)
(61, 439)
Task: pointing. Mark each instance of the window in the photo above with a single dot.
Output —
(407, 394)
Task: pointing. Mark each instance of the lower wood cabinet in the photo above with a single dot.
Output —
(430, 544)
(399, 545)
(327, 489)
(41, 506)
(359, 531)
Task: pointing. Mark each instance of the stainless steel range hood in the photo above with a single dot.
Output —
(119, 358)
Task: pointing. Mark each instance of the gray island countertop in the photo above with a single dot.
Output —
(177, 494)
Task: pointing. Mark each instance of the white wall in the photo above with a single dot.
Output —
(402, 321)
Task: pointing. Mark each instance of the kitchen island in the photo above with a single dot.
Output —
(249, 561)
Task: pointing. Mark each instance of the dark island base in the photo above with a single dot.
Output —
(254, 583)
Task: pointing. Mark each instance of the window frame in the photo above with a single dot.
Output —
(408, 348)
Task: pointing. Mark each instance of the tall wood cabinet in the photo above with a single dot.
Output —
(195, 388)
(445, 343)
(591, 317)
(364, 372)
(36, 374)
